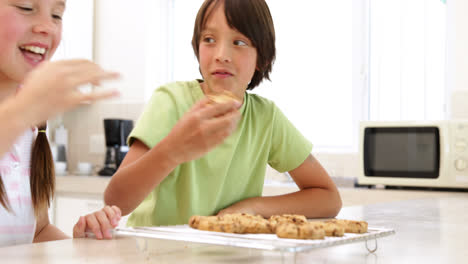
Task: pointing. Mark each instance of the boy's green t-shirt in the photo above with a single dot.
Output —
(230, 172)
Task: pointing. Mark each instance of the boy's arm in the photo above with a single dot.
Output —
(140, 172)
(142, 169)
(318, 196)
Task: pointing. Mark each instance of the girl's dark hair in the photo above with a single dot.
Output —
(42, 179)
(253, 19)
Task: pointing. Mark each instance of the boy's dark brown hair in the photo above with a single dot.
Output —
(252, 18)
(42, 179)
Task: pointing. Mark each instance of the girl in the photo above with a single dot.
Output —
(30, 31)
(234, 41)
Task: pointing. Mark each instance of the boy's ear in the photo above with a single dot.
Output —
(259, 68)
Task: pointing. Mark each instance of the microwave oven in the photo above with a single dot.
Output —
(430, 154)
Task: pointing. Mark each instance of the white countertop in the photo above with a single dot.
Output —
(95, 186)
(72, 184)
(428, 230)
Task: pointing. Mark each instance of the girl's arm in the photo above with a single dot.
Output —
(46, 231)
(142, 169)
(48, 90)
(99, 223)
(10, 114)
(318, 196)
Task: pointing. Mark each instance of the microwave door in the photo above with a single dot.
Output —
(404, 152)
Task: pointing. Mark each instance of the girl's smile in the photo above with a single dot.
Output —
(30, 32)
(34, 53)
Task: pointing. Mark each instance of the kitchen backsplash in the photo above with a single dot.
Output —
(86, 141)
(459, 107)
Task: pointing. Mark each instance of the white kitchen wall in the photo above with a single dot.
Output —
(119, 45)
(407, 59)
(460, 43)
(457, 57)
(77, 38)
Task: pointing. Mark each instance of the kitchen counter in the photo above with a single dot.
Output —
(428, 230)
(94, 186)
(73, 184)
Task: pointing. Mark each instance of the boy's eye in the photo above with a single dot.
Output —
(240, 43)
(58, 17)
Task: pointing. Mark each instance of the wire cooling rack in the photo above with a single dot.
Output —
(255, 241)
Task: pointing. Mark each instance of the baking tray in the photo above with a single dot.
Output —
(255, 241)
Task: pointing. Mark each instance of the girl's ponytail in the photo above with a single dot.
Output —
(3, 196)
(42, 178)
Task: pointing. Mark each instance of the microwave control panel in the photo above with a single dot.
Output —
(460, 147)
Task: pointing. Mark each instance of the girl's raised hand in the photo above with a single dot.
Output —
(51, 88)
(100, 223)
(202, 128)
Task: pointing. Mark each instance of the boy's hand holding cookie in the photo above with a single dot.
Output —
(222, 98)
(202, 128)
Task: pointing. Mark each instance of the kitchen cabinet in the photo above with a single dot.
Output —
(68, 210)
(77, 196)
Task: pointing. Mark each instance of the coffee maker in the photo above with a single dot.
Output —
(116, 132)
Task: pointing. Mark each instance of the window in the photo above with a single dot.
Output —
(77, 37)
(407, 59)
(338, 62)
(168, 42)
(312, 76)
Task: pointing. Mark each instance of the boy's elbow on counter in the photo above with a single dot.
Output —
(111, 199)
(336, 208)
(335, 205)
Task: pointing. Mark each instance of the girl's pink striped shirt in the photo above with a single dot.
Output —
(17, 226)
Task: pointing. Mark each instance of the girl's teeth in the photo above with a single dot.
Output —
(35, 49)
